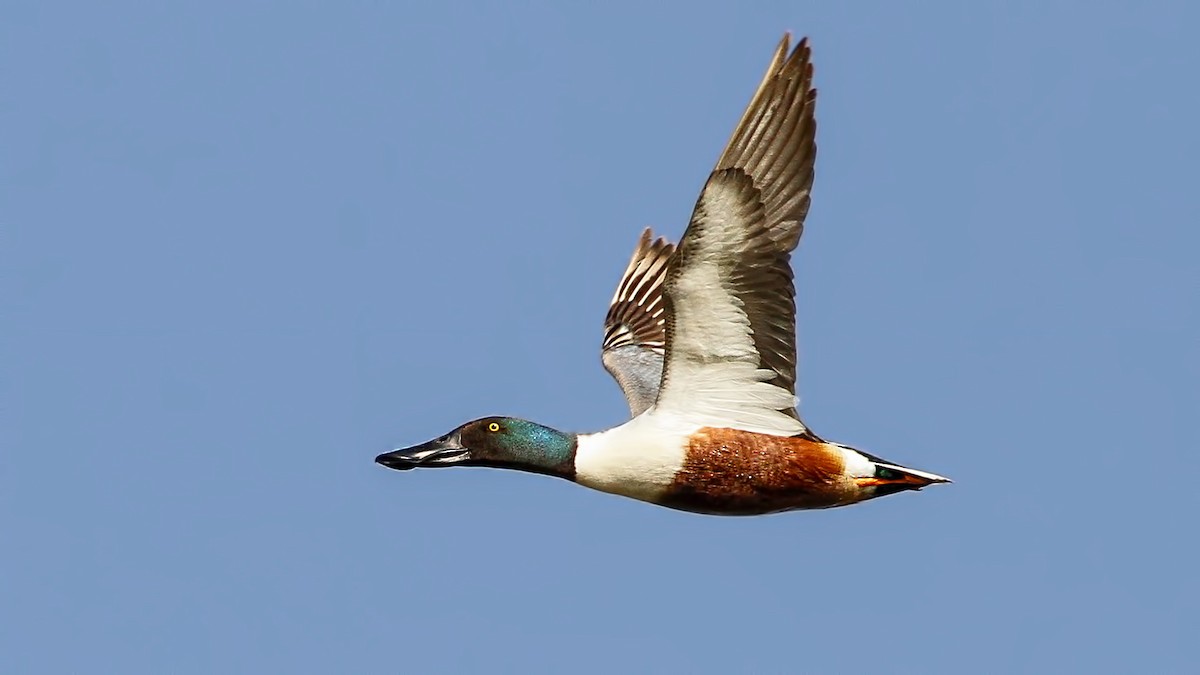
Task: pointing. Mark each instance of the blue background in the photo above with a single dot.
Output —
(247, 246)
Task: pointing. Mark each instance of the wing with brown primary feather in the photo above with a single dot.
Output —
(775, 145)
(635, 327)
(731, 309)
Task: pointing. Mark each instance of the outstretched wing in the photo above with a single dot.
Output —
(731, 344)
(635, 328)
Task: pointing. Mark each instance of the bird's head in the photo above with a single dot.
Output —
(501, 442)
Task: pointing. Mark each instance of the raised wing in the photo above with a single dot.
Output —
(635, 328)
(731, 343)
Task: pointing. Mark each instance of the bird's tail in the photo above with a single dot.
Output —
(888, 478)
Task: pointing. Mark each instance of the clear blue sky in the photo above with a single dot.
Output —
(248, 246)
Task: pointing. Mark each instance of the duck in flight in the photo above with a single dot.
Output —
(701, 339)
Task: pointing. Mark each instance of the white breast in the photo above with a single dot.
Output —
(638, 459)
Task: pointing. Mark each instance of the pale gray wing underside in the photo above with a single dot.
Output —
(635, 327)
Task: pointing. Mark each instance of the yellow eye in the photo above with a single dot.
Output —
(492, 426)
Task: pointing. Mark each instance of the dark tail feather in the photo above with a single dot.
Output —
(892, 478)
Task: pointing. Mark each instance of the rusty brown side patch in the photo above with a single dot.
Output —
(741, 473)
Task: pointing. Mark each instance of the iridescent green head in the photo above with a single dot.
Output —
(502, 442)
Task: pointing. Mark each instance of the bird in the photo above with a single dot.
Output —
(700, 336)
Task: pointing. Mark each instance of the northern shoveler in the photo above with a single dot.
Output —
(701, 339)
